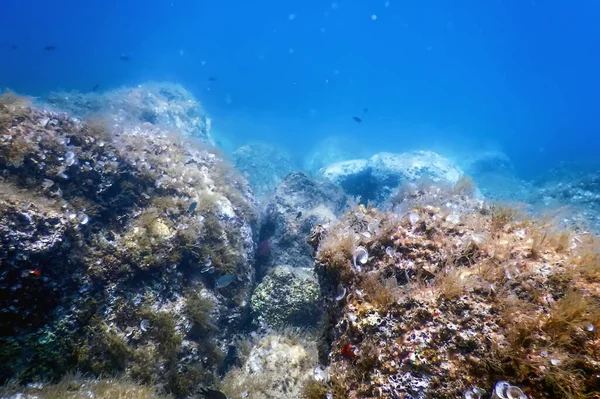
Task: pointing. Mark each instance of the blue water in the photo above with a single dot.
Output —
(454, 76)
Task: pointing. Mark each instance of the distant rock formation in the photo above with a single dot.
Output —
(376, 178)
(166, 106)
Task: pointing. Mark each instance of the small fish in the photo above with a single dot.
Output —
(224, 281)
(192, 208)
(36, 272)
(365, 110)
(125, 57)
(357, 119)
(212, 79)
(96, 87)
(14, 47)
(50, 48)
(212, 394)
(299, 215)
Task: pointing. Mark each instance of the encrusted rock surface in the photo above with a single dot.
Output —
(112, 242)
(166, 106)
(287, 297)
(298, 204)
(277, 366)
(374, 179)
(263, 165)
(458, 296)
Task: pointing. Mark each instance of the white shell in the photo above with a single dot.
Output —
(500, 390)
(361, 255)
(341, 292)
(144, 325)
(513, 392)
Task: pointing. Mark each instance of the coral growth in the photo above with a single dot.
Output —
(456, 294)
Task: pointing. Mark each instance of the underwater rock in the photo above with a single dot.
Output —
(467, 295)
(376, 178)
(287, 297)
(104, 237)
(35, 239)
(298, 204)
(166, 106)
(263, 165)
(276, 367)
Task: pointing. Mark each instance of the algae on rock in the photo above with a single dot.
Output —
(105, 237)
(277, 367)
(287, 297)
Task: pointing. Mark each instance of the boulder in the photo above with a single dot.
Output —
(375, 179)
(298, 204)
(287, 297)
(166, 106)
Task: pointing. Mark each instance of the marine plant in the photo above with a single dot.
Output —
(198, 310)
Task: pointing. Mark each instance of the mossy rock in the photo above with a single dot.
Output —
(287, 297)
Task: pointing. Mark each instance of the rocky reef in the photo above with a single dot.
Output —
(123, 251)
(453, 296)
(166, 106)
(130, 253)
